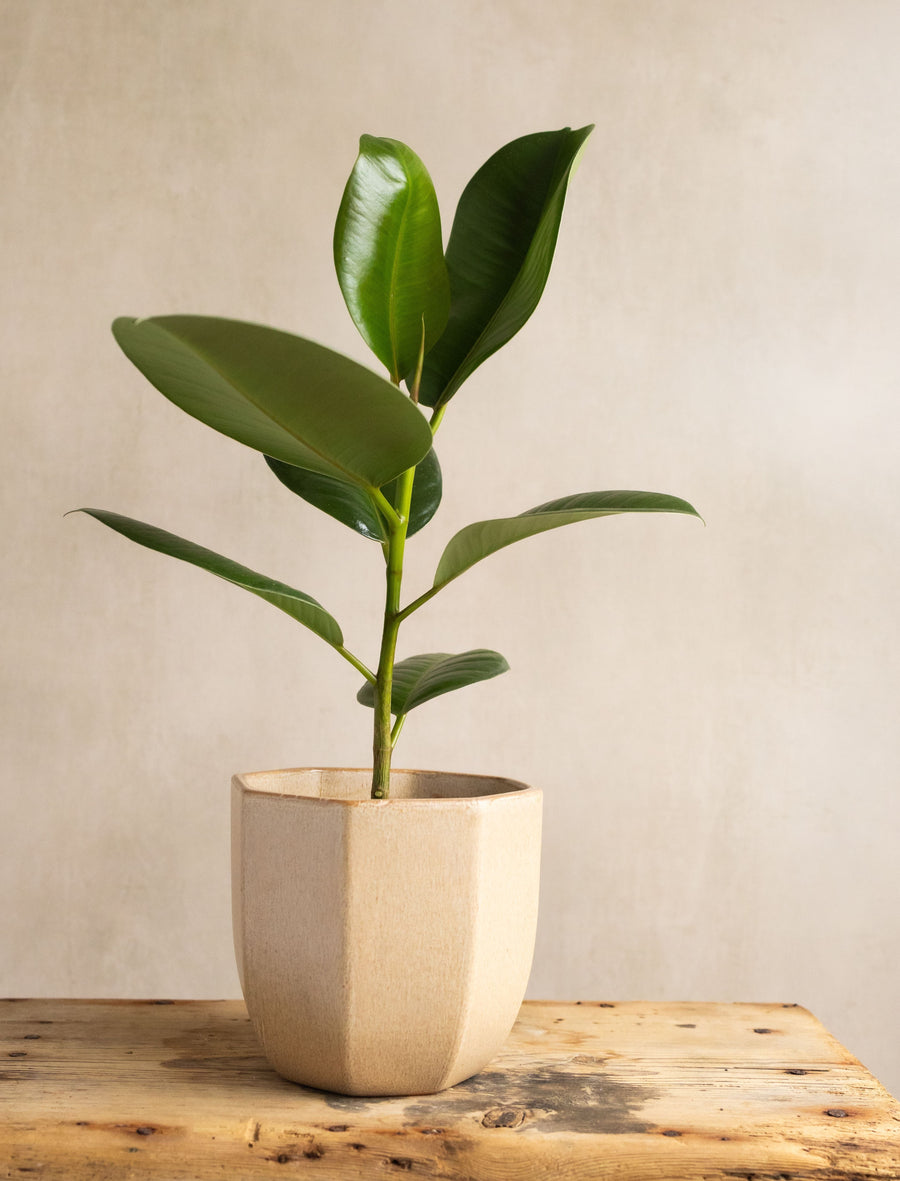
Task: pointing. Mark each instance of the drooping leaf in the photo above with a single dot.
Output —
(426, 493)
(295, 603)
(347, 503)
(280, 394)
(419, 678)
(389, 254)
(476, 541)
(353, 506)
(499, 254)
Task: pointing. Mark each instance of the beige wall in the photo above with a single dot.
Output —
(711, 712)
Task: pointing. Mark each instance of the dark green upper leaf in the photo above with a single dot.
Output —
(499, 254)
(353, 506)
(389, 254)
(280, 394)
(419, 678)
(295, 603)
(476, 541)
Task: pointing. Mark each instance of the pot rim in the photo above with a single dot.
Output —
(516, 789)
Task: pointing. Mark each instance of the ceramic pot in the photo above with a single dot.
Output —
(384, 946)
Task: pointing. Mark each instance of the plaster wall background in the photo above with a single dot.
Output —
(712, 712)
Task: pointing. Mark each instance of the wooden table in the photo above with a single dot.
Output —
(96, 1090)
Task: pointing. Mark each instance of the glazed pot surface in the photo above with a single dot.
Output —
(384, 946)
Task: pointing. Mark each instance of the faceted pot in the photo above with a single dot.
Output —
(384, 946)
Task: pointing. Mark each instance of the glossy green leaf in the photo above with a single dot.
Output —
(280, 394)
(293, 602)
(477, 541)
(389, 254)
(347, 503)
(418, 679)
(353, 506)
(499, 254)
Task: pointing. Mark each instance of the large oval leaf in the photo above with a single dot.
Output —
(419, 678)
(499, 254)
(389, 254)
(476, 541)
(353, 506)
(280, 394)
(295, 603)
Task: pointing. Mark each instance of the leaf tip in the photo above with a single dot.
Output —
(689, 511)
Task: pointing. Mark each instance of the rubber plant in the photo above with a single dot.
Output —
(351, 442)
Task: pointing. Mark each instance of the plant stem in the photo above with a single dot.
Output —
(419, 602)
(382, 745)
(396, 517)
(390, 513)
(356, 662)
(436, 418)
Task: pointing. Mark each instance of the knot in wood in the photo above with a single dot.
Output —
(504, 1117)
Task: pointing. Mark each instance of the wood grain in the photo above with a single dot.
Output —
(96, 1090)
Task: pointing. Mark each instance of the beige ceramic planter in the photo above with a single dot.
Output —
(383, 946)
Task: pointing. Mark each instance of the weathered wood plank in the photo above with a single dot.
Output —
(658, 1092)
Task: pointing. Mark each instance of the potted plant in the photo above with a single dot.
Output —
(384, 923)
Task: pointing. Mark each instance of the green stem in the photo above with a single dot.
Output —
(436, 420)
(391, 514)
(356, 662)
(419, 602)
(437, 417)
(397, 520)
(382, 745)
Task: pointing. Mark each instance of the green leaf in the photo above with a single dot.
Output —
(476, 541)
(347, 503)
(499, 254)
(419, 678)
(353, 507)
(293, 602)
(280, 394)
(389, 254)
(426, 493)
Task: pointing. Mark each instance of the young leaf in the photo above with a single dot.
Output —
(353, 507)
(293, 602)
(389, 254)
(419, 678)
(280, 394)
(499, 254)
(476, 541)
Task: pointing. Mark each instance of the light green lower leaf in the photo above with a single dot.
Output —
(295, 603)
(418, 679)
(476, 541)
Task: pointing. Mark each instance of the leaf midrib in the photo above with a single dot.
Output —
(395, 266)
